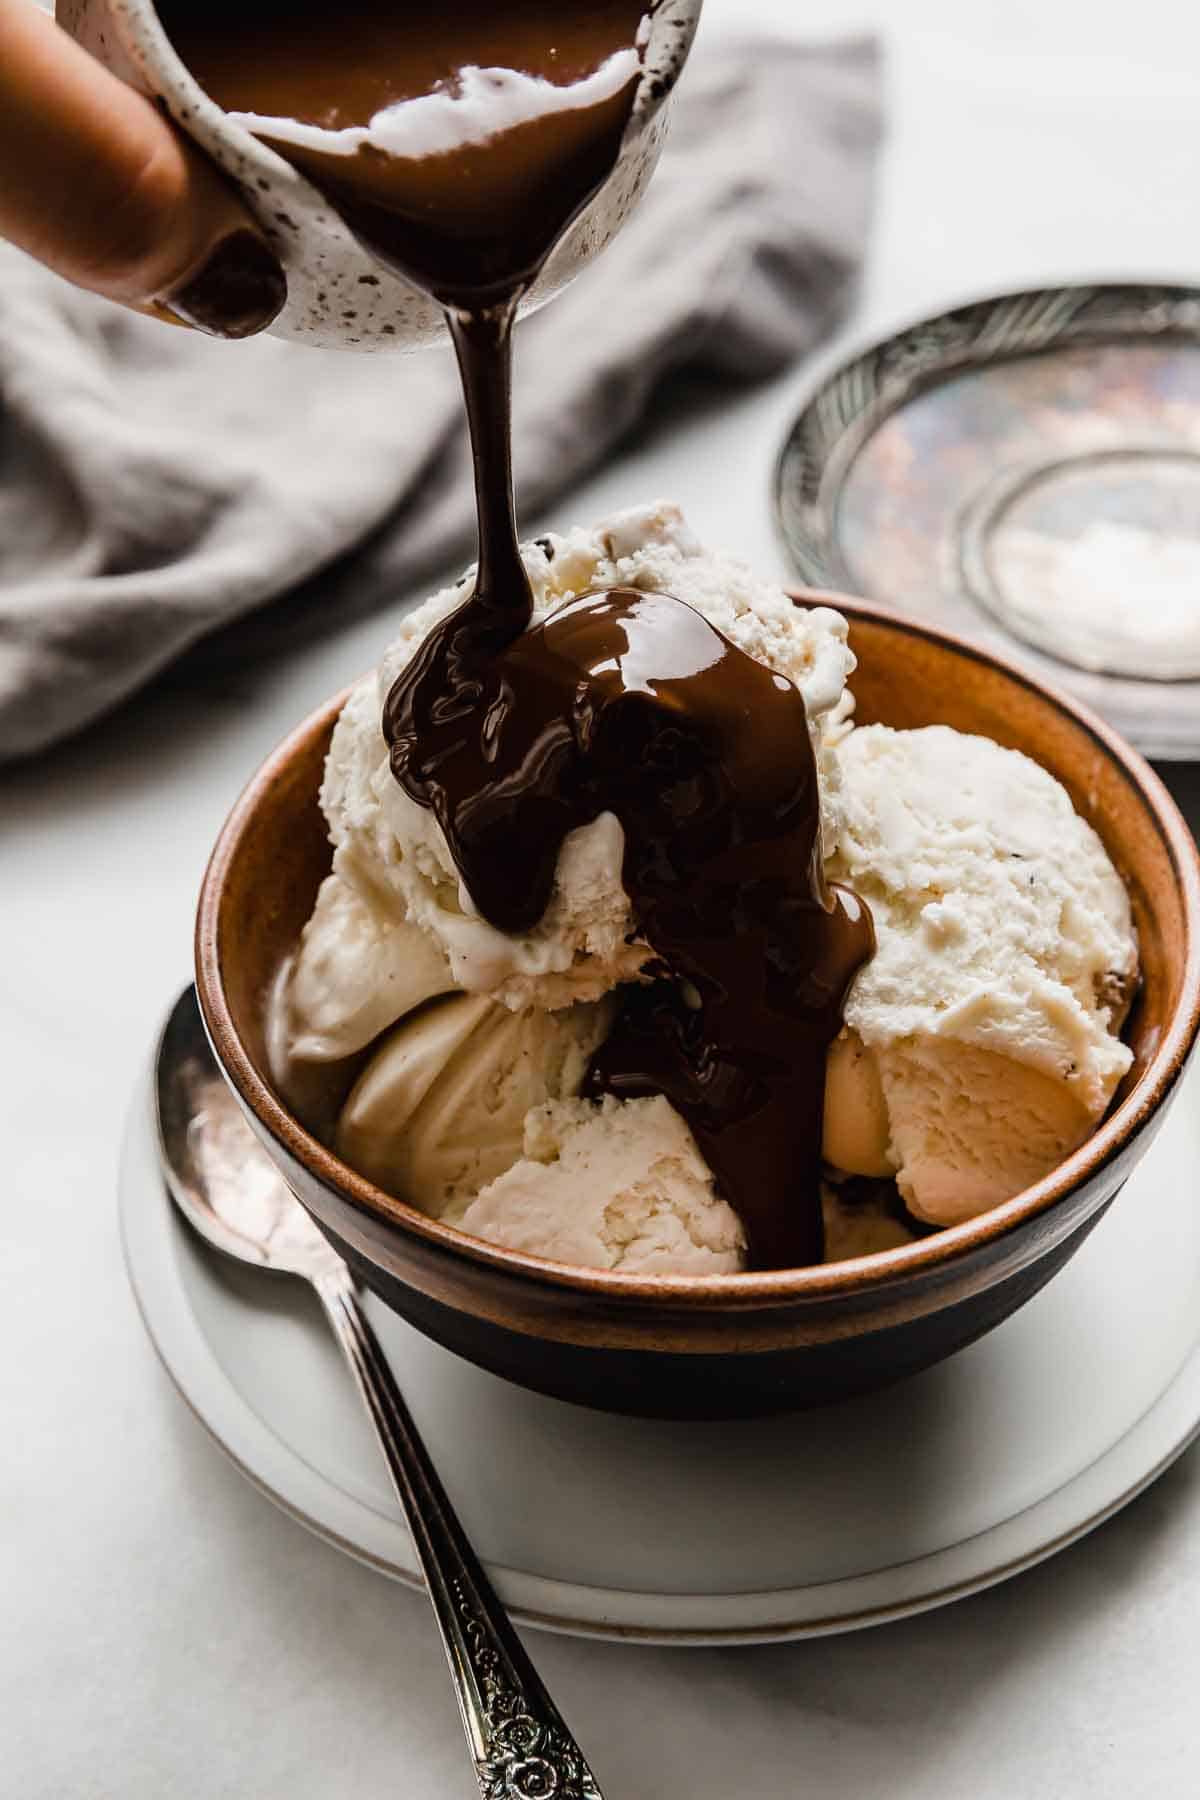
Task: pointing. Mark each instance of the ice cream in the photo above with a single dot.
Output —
(613, 1184)
(621, 1185)
(979, 1045)
(360, 966)
(440, 1109)
(981, 1042)
(586, 942)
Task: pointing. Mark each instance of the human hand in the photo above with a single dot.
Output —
(98, 185)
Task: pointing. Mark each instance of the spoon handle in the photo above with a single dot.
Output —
(517, 1737)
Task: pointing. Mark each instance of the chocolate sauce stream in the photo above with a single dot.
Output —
(500, 606)
(632, 703)
(621, 702)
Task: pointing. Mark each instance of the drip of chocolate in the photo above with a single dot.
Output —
(621, 702)
(632, 703)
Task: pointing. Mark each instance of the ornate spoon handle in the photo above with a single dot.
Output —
(520, 1745)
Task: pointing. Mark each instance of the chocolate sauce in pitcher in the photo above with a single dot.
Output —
(470, 136)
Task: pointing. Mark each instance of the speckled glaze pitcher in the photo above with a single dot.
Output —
(339, 295)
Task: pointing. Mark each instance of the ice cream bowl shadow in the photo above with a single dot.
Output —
(727, 1345)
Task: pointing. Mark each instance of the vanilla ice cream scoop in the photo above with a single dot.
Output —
(586, 941)
(611, 1184)
(981, 1041)
(360, 967)
(440, 1108)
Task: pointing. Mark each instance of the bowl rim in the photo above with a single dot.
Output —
(821, 1281)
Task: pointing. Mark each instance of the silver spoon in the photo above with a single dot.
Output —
(229, 1190)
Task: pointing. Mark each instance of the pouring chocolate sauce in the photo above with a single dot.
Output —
(500, 122)
(467, 139)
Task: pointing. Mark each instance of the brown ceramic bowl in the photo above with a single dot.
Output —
(726, 1345)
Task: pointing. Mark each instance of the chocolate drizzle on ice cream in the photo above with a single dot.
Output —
(632, 703)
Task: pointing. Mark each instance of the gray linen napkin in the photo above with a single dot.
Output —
(157, 487)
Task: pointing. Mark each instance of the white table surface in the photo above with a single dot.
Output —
(163, 1630)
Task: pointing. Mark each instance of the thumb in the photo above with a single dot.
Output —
(95, 183)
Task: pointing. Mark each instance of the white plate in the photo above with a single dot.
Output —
(818, 1522)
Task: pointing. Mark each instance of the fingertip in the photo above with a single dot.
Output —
(112, 196)
(238, 290)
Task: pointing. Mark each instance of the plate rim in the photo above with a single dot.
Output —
(1166, 1428)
